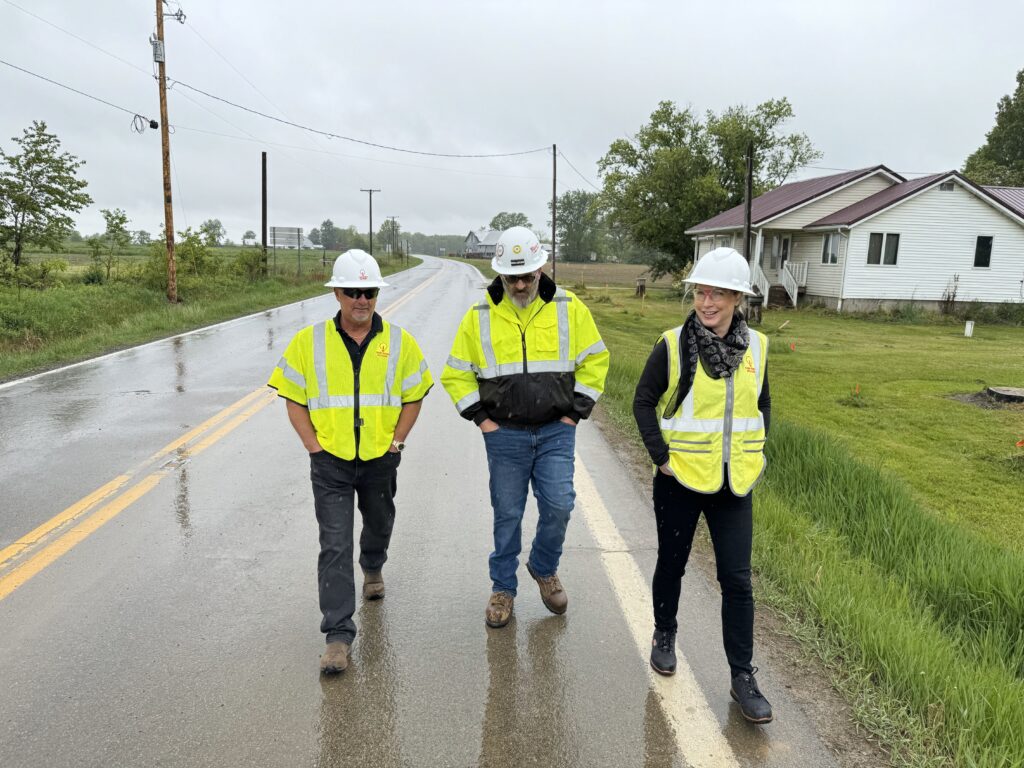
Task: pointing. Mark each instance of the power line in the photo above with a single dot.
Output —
(331, 135)
(562, 155)
(139, 122)
(80, 39)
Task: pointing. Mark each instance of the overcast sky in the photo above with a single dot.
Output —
(910, 84)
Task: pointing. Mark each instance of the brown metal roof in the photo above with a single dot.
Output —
(1011, 197)
(786, 197)
(876, 202)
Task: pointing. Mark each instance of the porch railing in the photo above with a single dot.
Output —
(789, 282)
(799, 271)
(759, 280)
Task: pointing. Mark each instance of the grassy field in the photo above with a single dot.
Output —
(595, 274)
(888, 527)
(71, 321)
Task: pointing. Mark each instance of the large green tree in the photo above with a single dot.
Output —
(507, 219)
(330, 235)
(1000, 160)
(579, 224)
(39, 190)
(680, 169)
(116, 236)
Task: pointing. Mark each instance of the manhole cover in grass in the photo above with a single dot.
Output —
(988, 401)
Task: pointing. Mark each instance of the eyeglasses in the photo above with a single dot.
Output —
(528, 278)
(355, 293)
(715, 294)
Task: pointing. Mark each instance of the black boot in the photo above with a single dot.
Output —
(663, 652)
(753, 704)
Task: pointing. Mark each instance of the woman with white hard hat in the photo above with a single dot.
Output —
(702, 406)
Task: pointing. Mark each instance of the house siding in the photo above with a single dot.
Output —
(830, 204)
(822, 279)
(938, 232)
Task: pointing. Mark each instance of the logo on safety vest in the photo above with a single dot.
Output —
(363, 275)
(750, 364)
(382, 349)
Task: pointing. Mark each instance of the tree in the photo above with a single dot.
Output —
(248, 236)
(39, 189)
(679, 170)
(505, 219)
(116, 236)
(142, 237)
(579, 224)
(352, 238)
(330, 236)
(1000, 160)
(389, 234)
(212, 232)
(314, 236)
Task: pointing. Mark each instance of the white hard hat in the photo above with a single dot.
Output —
(518, 251)
(722, 268)
(355, 269)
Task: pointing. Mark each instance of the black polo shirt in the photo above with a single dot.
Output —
(355, 353)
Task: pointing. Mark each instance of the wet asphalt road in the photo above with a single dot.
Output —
(177, 624)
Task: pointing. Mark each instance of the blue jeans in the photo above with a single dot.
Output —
(516, 458)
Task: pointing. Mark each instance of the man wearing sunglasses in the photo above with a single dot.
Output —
(526, 365)
(353, 387)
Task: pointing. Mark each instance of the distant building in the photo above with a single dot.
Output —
(480, 243)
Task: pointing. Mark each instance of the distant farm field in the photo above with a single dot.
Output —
(596, 274)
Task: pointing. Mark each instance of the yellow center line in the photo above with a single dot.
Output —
(80, 507)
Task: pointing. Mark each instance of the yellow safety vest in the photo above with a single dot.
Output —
(316, 371)
(718, 423)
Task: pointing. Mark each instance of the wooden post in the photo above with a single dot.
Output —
(172, 269)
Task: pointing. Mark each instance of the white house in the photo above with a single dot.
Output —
(869, 238)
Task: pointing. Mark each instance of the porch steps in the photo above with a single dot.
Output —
(777, 296)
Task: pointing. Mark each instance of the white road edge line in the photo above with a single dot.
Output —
(698, 735)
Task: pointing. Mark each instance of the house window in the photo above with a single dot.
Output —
(883, 248)
(830, 248)
(983, 251)
(946, 186)
(723, 241)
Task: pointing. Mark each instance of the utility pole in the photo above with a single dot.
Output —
(263, 237)
(371, 191)
(747, 200)
(160, 57)
(554, 210)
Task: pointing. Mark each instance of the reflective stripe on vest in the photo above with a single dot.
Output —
(380, 399)
(564, 364)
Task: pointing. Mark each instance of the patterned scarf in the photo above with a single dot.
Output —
(720, 356)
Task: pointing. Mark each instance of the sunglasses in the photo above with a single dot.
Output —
(355, 293)
(528, 278)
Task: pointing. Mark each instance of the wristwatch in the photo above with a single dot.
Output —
(399, 445)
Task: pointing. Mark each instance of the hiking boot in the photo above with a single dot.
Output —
(753, 704)
(663, 652)
(499, 609)
(335, 658)
(373, 585)
(551, 592)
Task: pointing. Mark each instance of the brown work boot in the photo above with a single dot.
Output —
(551, 592)
(335, 658)
(373, 585)
(499, 609)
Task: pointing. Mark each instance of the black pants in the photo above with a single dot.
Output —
(338, 486)
(730, 521)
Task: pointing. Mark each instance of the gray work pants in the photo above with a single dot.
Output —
(339, 486)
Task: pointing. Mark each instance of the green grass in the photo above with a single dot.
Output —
(887, 528)
(70, 321)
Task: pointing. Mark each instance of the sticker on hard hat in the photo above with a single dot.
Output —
(363, 275)
(518, 262)
(534, 248)
(517, 249)
(499, 250)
